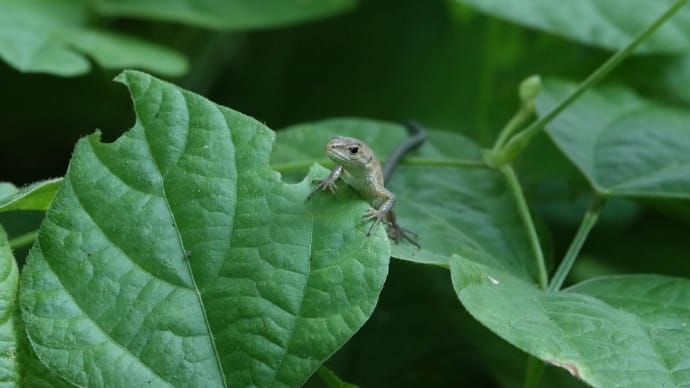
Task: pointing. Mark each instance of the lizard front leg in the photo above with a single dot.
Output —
(328, 183)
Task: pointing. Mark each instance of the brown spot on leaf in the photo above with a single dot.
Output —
(570, 367)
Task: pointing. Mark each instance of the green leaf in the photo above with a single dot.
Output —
(55, 37)
(597, 23)
(176, 257)
(226, 15)
(36, 196)
(18, 363)
(613, 331)
(7, 189)
(9, 365)
(623, 144)
(443, 191)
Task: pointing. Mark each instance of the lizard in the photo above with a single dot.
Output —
(358, 166)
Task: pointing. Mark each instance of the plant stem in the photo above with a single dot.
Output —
(24, 239)
(588, 222)
(520, 140)
(518, 118)
(523, 210)
(332, 380)
(535, 371)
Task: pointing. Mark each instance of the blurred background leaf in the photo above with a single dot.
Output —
(54, 36)
(225, 15)
(623, 144)
(57, 36)
(598, 23)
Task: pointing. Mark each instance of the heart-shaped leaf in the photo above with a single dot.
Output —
(176, 257)
(621, 331)
(623, 144)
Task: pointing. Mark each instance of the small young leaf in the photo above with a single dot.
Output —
(53, 36)
(623, 144)
(176, 257)
(228, 14)
(598, 23)
(443, 191)
(614, 331)
(37, 196)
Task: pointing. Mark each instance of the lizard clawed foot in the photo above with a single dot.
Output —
(374, 215)
(395, 233)
(323, 185)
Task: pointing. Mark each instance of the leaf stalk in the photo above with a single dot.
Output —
(588, 222)
(518, 142)
(526, 217)
(23, 240)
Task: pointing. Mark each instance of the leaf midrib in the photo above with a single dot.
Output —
(164, 196)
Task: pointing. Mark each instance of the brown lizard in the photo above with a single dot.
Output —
(359, 168)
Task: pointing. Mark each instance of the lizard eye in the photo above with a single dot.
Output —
(354, 149)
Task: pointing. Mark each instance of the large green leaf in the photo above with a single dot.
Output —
(37, 196)
(625, 331)
(443, 191)
(623, 144)
(176, 257)
(55, 37)
(610, 24)
(229, 14)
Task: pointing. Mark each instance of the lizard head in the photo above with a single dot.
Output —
(349, 152)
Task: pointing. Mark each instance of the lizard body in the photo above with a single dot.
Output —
(359, 168)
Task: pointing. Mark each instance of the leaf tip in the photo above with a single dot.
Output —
(127, 75)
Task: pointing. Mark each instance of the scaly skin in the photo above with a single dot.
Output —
(359, 168)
